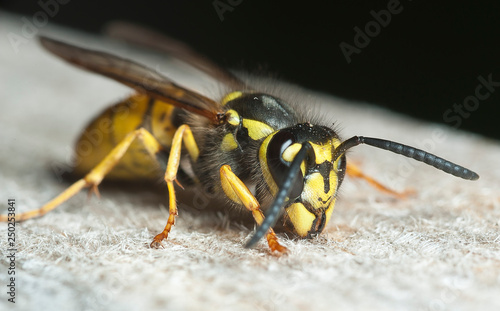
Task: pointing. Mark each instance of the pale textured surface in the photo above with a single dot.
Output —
(439, 250)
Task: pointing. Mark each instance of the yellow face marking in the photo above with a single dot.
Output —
(313, 189)
(228, 143)
(290, 152)
(231, 96)
(323, 152)
(314, 193)
(314, 184)
(301, 218)
(257, 130)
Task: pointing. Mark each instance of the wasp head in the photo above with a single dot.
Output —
(313, 192)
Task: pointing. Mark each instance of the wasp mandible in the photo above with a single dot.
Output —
(244, 138)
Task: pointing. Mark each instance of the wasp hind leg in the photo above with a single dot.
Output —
(354, 171)
(183, 133)
(238, 192)
(97, 174)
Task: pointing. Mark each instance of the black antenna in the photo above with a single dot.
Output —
(407, 151)
(272, 215)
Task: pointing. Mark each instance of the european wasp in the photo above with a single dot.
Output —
(245, 140)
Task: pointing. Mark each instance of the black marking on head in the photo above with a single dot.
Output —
(324, 201)
(313, 133)
(299, 133)
(324, 169)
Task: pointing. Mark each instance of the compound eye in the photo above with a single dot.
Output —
(278, 166)
(341, 167)
(341, 163)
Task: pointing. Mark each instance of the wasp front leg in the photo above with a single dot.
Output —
(97, 174)
(238, 192)
(183, 133)
(354, 171)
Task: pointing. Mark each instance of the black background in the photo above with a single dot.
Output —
(426, 59)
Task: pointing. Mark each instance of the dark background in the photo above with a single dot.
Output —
(426, 59)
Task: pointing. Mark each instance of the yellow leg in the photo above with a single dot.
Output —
(238, 192)
(95, 176)
(183, 133)
(354, 171)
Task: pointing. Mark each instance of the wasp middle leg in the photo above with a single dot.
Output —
(183, 133)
